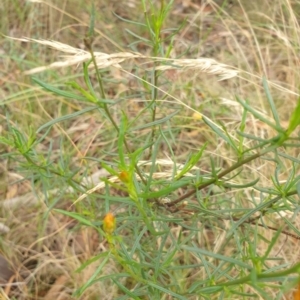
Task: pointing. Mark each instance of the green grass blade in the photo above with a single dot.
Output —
(295, 119)
(129, 21)
(125, 290)
(75, 216)
(227, 259)
(240, 186)
(191, 163)
(271, 103)
(92, 21)
(56, 91)
(164, 290)
(137, 36)
(298, 189)
(91, 260)
(156, 122)
(90, 281)
(121, 147)
(87, 78)
(220, 133)
(164, 191)
(258, 115)
(66, 117)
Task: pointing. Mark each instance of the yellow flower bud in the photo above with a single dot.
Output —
(124, 176)
(297, 293)
(109, 223)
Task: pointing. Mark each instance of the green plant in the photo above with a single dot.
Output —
(157, 245)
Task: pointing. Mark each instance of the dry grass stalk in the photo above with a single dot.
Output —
(206, 65)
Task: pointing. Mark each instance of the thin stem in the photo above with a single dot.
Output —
(284, 273)
(28, 158)
(153, 104)
(227, 171)
(214, 180)
(156, 42)
(88, 44)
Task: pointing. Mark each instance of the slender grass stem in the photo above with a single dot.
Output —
(88, 44)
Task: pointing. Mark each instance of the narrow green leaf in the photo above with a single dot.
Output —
(75, 216)
(57, 91)
(210, 290)
(6, 141)
(260, 207)
(242, 128)
(137, 36)
(156, 122)
(125, 290)
(134, 156)
(258, 115)
(165, 191)
(291, 180)
(267, 276)
(42, 137)
(218, 256)
(109, 169)
(153, 166)
(83, 92)
(219, 132)
(92, 20)
(251, 137)
(91, 260)
(191, 163)
(240, 186)
(129, 21)
(87, 78)
(66, 117)
(271, 245)
(170, 257)
(292, 226)
(267, 190)
(295, 119)
(111, 276)
(114, 185)
(93, 277)
(166, 291)
(271, 102)
(122, 131)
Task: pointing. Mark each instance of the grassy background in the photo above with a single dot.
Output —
(260, 38)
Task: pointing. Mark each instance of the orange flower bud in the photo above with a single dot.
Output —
(109, 223)
(297, 293)
(124, 176)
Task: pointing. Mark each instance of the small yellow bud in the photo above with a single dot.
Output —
(297, 293)
(197, 116)
(124, 176)
(109, 223)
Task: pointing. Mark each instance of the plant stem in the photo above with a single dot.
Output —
(88, 44)
(153, 104)
(213, 180)
(230, 169)
(294, 269)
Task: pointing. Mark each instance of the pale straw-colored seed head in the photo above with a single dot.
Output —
(76, 56)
